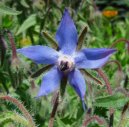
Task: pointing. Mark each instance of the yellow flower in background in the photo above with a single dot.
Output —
(25, 42)
(110, 12)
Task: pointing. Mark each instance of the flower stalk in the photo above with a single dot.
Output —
(3, 47)
(120, 40)
(53, 113)
(117, 63)
(102, 75)
(94, 118)
(20, 107)
(56, 100)
(12, 42)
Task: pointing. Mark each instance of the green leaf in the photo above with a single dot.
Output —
(9, 11)
(8, 116)
(30, 21)
(24, 3)
(60, 122)
(114, 101)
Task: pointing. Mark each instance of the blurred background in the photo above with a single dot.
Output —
(106, 22)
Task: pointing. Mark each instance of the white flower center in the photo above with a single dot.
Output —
(65, 63)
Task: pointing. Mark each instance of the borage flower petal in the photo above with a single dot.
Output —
(92, 58)
(50, 82)
(77, 81)
(66, 35)
(40, 54)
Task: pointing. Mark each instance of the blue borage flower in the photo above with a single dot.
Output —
(66, 61)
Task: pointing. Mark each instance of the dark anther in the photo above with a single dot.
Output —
(64, 66)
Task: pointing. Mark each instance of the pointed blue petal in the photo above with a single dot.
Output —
(40, 54)
(97, 53)
(50, 82)
(77, 81)
(93, 58)
(66, 35)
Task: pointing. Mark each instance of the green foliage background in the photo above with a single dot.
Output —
(27, 19)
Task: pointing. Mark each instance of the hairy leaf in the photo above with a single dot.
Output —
(20, 106)
(7, 117)
(30, 21)
(113, 101)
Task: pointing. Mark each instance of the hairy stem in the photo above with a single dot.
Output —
(56, 103)
(88, 115)
(118, 41)
(102, 75)
(56, 100)
(116, 62)
(20, 107)
(3, 47)
(12, 42)
(94, 118)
